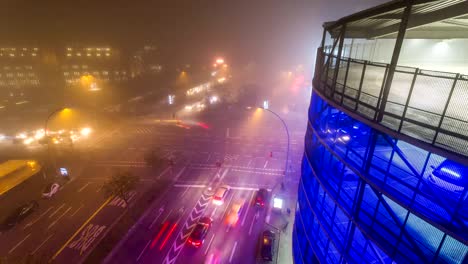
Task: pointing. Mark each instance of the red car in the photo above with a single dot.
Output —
(197, 237)
(261, 197)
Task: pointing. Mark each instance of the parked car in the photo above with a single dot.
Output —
(19, 214)
(343, 129)
(268, 244)
(449, 180)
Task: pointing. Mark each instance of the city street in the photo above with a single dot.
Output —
(69, 225)
(245, 148)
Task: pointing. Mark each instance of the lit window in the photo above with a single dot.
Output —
(84, 66)
(68, 55)
(107, 54)
(12, 55)
(78, 54)
(33, 54)
(13, 49)
(65, 73)
(75, 67)
(69, 49)
(107, 49)
(98, 49)
(88, 54)
(35, 49)
(25, 49)
(89, 49)
(76, 73)
(98, 54)
(105, 73)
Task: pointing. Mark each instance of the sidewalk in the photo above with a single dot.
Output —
(283, 222)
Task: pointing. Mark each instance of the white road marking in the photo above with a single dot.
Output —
(82, 188)
(161, 210)
(53, 223)
(180, 173)
(266, 163)
(209, 244)
(164, 172)
(209, 157)
(50, 216)
(227, 132)
(81, 206)
(186, 189)
(143, 251)
(167, 216)
(19, 243)
(257, 214)
(37, 219)
(248, 208)
(232, 252)
(226, 208)
(214, 211)
(189, 185)
(43, 242)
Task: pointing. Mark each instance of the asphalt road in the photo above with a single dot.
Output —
(68, 226)
(244, 141)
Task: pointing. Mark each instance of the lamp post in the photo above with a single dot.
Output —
(46, 132)
(266, 107)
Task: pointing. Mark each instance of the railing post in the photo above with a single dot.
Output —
(445, 108)
(395, 56)
(360, 85)
(345, 80)
(338, 60)
(380, 93)
(416, 72)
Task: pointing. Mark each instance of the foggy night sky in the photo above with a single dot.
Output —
(274, 31)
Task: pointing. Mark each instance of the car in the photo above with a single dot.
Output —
(19, 214)
(235, 212)
(448, 179)
(197, 237)
(342, 129)
(220, 194)
(261, 197)
(268, 241)
(50, 190)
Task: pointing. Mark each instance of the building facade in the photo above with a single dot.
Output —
(385, 167)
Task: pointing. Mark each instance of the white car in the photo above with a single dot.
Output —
(50, 190)
(220, 194)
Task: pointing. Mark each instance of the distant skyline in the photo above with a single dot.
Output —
(275, 31)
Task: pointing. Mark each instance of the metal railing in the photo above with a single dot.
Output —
(427, 105)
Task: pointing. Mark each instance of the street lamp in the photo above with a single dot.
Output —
(266, 108)
(46, 132)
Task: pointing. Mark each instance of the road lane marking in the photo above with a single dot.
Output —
(81, 227)
(209, 157)
(254, 219)
(82, 188)
(226, 208)
(81, 206)
(250, 162)
(164, 172)
(50, 216)
(143, 251)
(190, 185)
(266, 163)
(209, 244)
(43, 242)
(180, 173)
(182, 195)
(53, 223)
(19, 243)
(37, 219)
(161, 210)
(167, 216)
(214, 211)
(248, 207)
(232, 252)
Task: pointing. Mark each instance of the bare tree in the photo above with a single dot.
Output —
(121, 184)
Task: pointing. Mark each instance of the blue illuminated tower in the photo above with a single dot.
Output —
(385, 167)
